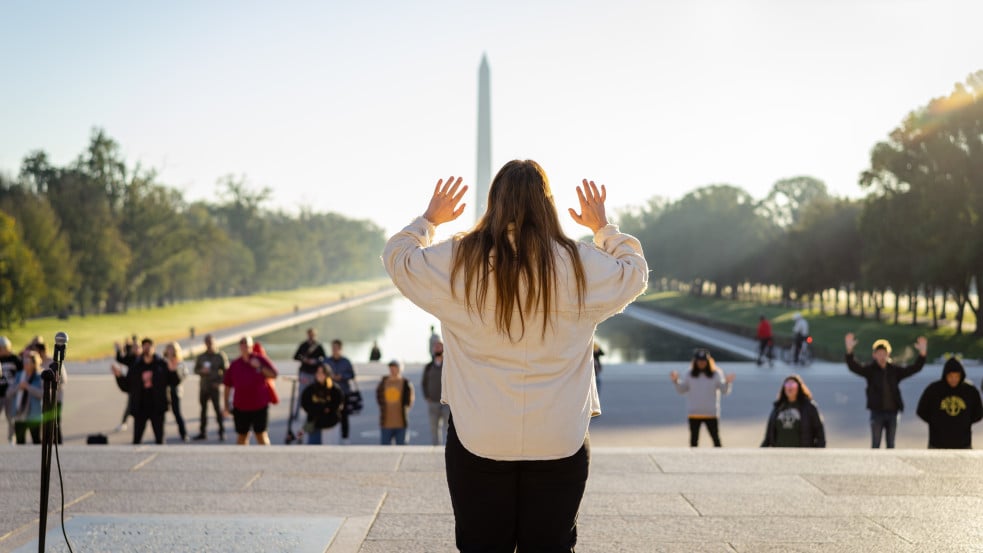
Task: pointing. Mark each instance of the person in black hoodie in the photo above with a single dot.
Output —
(795, 420)
(883, 394)
(323, 402)
(950, 406)
(146, 381)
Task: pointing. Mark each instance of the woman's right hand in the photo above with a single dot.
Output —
(444, 206)
(674, 376)
(592, 201)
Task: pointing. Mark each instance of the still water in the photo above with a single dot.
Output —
(402, 330)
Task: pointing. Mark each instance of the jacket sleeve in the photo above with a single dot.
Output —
(410, 265)
(338, 398)
(408, 394)
(924, 409)
(306, 400)
(976, 405)
(769, 440)
(423, 382)
(722, 384)
(379, 393)
(818, 429)
(123, 381)
(35, 391)
(682, 384)
(854, 366)
(301, 350)
(908, 370)
(618, 271)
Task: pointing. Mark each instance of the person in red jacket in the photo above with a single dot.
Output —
(766, 344)
(250, 407)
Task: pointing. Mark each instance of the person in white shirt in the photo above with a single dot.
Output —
(801, 331)
(518, 302)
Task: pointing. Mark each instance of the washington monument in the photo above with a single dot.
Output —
(483, 179)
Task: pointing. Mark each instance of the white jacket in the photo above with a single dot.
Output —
(531, 399)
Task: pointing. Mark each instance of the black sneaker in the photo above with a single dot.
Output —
(200, 437)
(221, 436)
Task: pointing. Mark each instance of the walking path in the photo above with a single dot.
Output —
(711, 337)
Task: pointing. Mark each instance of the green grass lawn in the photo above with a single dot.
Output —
(827, 330)
(92, 336)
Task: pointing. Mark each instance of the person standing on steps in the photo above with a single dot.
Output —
(883, 394)
(795, 420)
(311, 354)
(950, 406)
(210, 366)
(703, 385)
(146, 381)
(250, 409)
(343, 374)
(175, 361)
(518, 303)
(438, 412)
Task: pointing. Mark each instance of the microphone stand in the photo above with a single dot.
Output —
(48, 432)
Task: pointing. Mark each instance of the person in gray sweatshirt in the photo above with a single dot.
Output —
(440, 413)
(703, 386)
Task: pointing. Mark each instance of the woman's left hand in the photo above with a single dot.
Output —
(444, 206)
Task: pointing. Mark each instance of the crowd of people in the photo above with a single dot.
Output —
(950, 405)
(21, 390)
(327, 394)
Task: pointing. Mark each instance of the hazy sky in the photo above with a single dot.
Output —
(358, 107)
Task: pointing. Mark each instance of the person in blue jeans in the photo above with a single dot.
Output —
(883, 394)
(395, 397)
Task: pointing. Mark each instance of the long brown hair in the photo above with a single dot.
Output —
(520, 204)
(803, 390)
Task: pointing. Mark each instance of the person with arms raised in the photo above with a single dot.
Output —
(518, 303)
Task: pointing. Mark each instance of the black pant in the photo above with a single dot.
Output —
(140, 424)
(694, 431)
(176, 409)
(344, 424)
(765, 349)
(504, 506)
(206, 396)
(21, 428)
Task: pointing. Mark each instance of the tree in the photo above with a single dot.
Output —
(43, 236)
(931, 170)
(789, 197)
(21, 278)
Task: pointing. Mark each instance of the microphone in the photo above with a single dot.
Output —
(61, 339)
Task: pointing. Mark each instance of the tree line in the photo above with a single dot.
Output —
(916, 238)
(99, 236)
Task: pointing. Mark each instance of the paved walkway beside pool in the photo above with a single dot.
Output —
(375, 499)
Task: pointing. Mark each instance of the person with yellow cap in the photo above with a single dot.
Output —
(883, 394)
